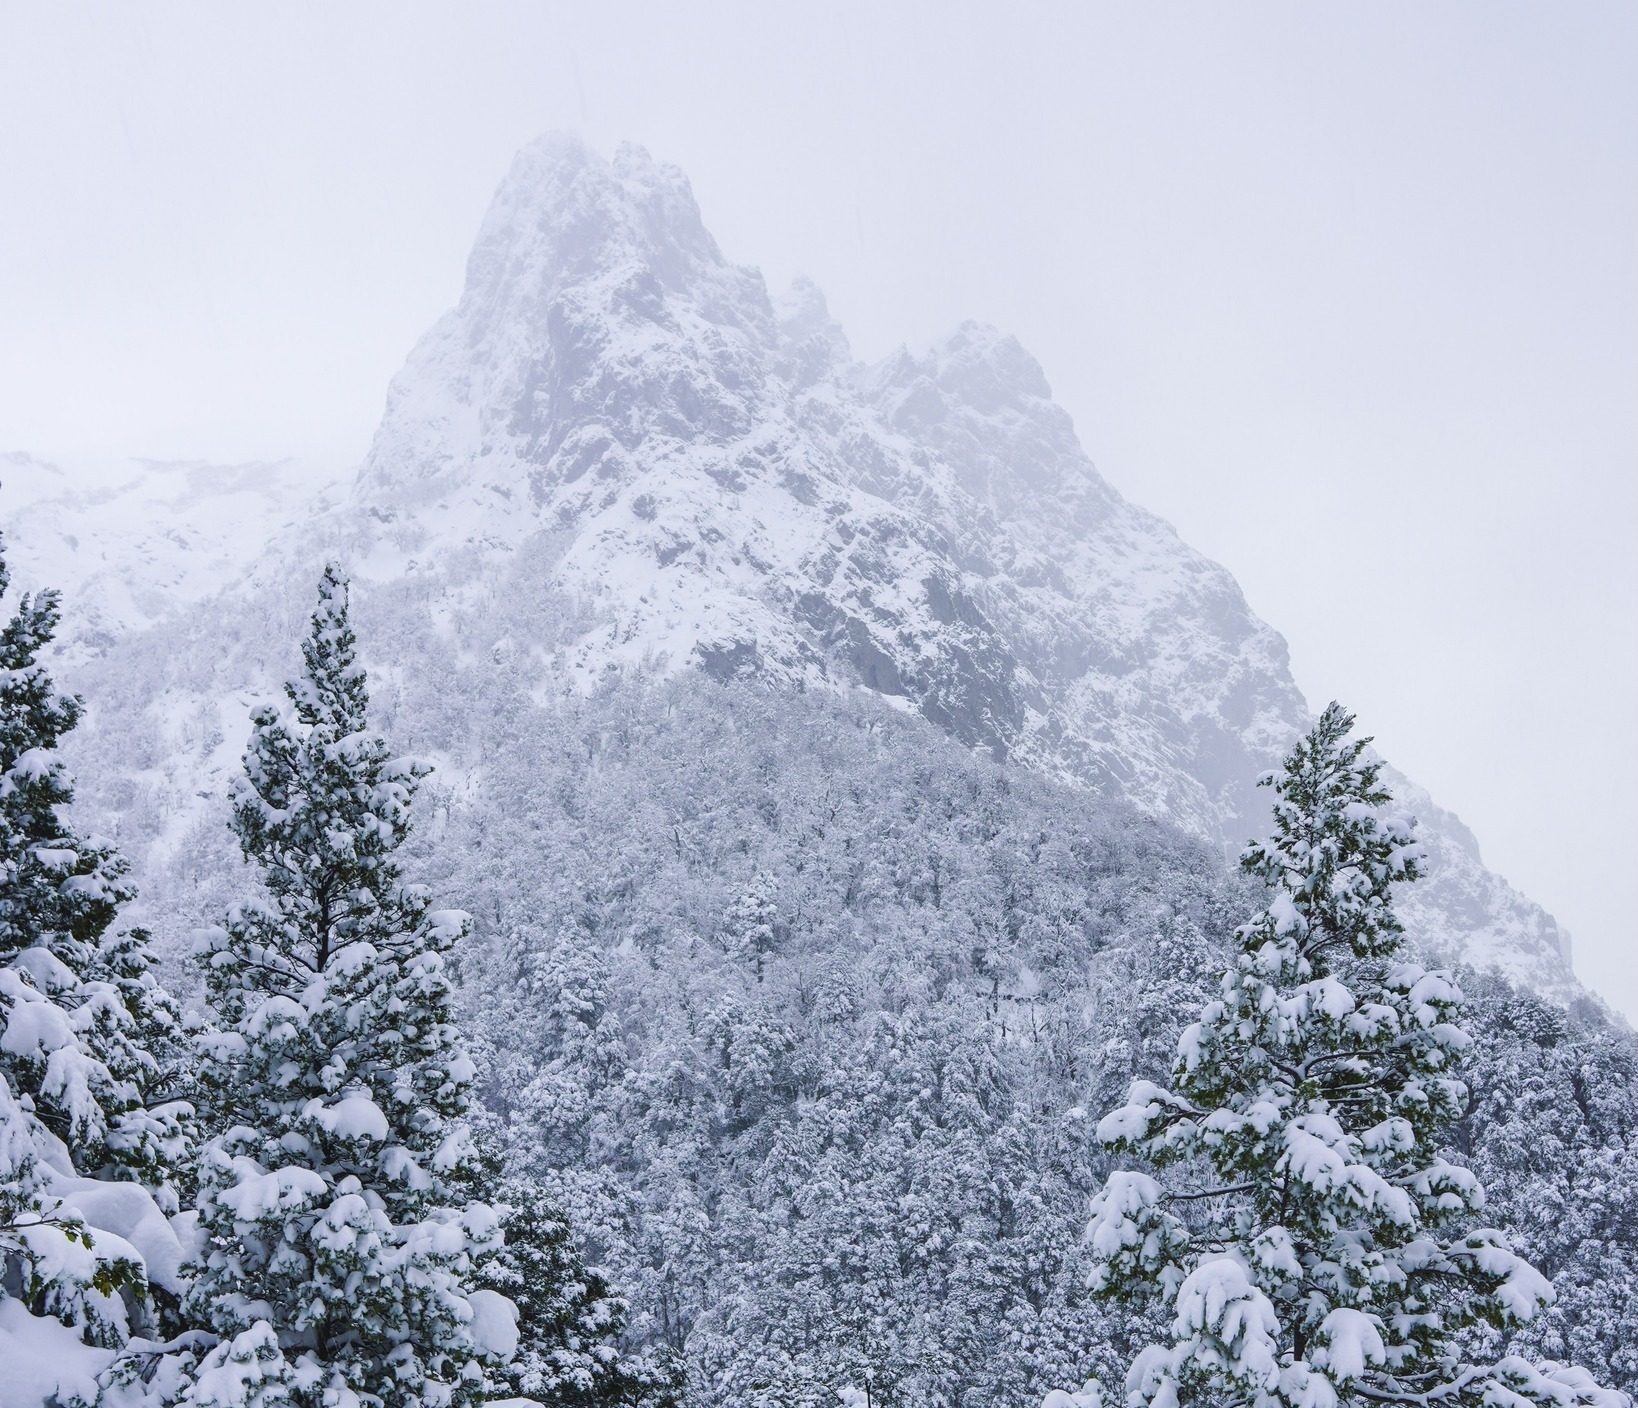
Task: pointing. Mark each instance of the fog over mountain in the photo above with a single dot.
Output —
(1313, 293)
(697, 474)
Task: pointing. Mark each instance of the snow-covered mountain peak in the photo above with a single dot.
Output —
(984, 401)
(597, 311)
(988, 369)
(617, 453)
(813, 343)
(712, 481)
(564, 214)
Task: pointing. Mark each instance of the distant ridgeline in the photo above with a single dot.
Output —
(843, 782)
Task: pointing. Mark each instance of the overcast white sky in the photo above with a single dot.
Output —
(1347, 292)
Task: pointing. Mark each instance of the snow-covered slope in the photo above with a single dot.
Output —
(619, 451)
(130, 542)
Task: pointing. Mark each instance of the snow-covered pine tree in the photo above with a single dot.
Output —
(569, 1321)
(81, 1102)
(555, 1097)
(335, 1236)
(153, 1141)
(1313, 1247)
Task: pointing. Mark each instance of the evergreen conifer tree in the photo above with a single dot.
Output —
(153, 1140)
(81, 1099)
(569, 1321)
(1313, 1248)
(336, 1240)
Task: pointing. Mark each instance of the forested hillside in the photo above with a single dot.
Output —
(811, 1014)
(803, 1015)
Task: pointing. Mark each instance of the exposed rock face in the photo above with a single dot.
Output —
(710, 480)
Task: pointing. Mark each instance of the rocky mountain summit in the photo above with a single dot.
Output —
(624, 454)
(731, 490)
(722, 486)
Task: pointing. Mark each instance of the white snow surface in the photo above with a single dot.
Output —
(494, 1324)
(1352, 1343)
(41, 1358)
(128, 1212)
(354, 1116)
(1090, 1395)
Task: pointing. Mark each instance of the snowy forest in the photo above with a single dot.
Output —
(795, 1059)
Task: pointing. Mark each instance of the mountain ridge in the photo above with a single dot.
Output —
(680, 471)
